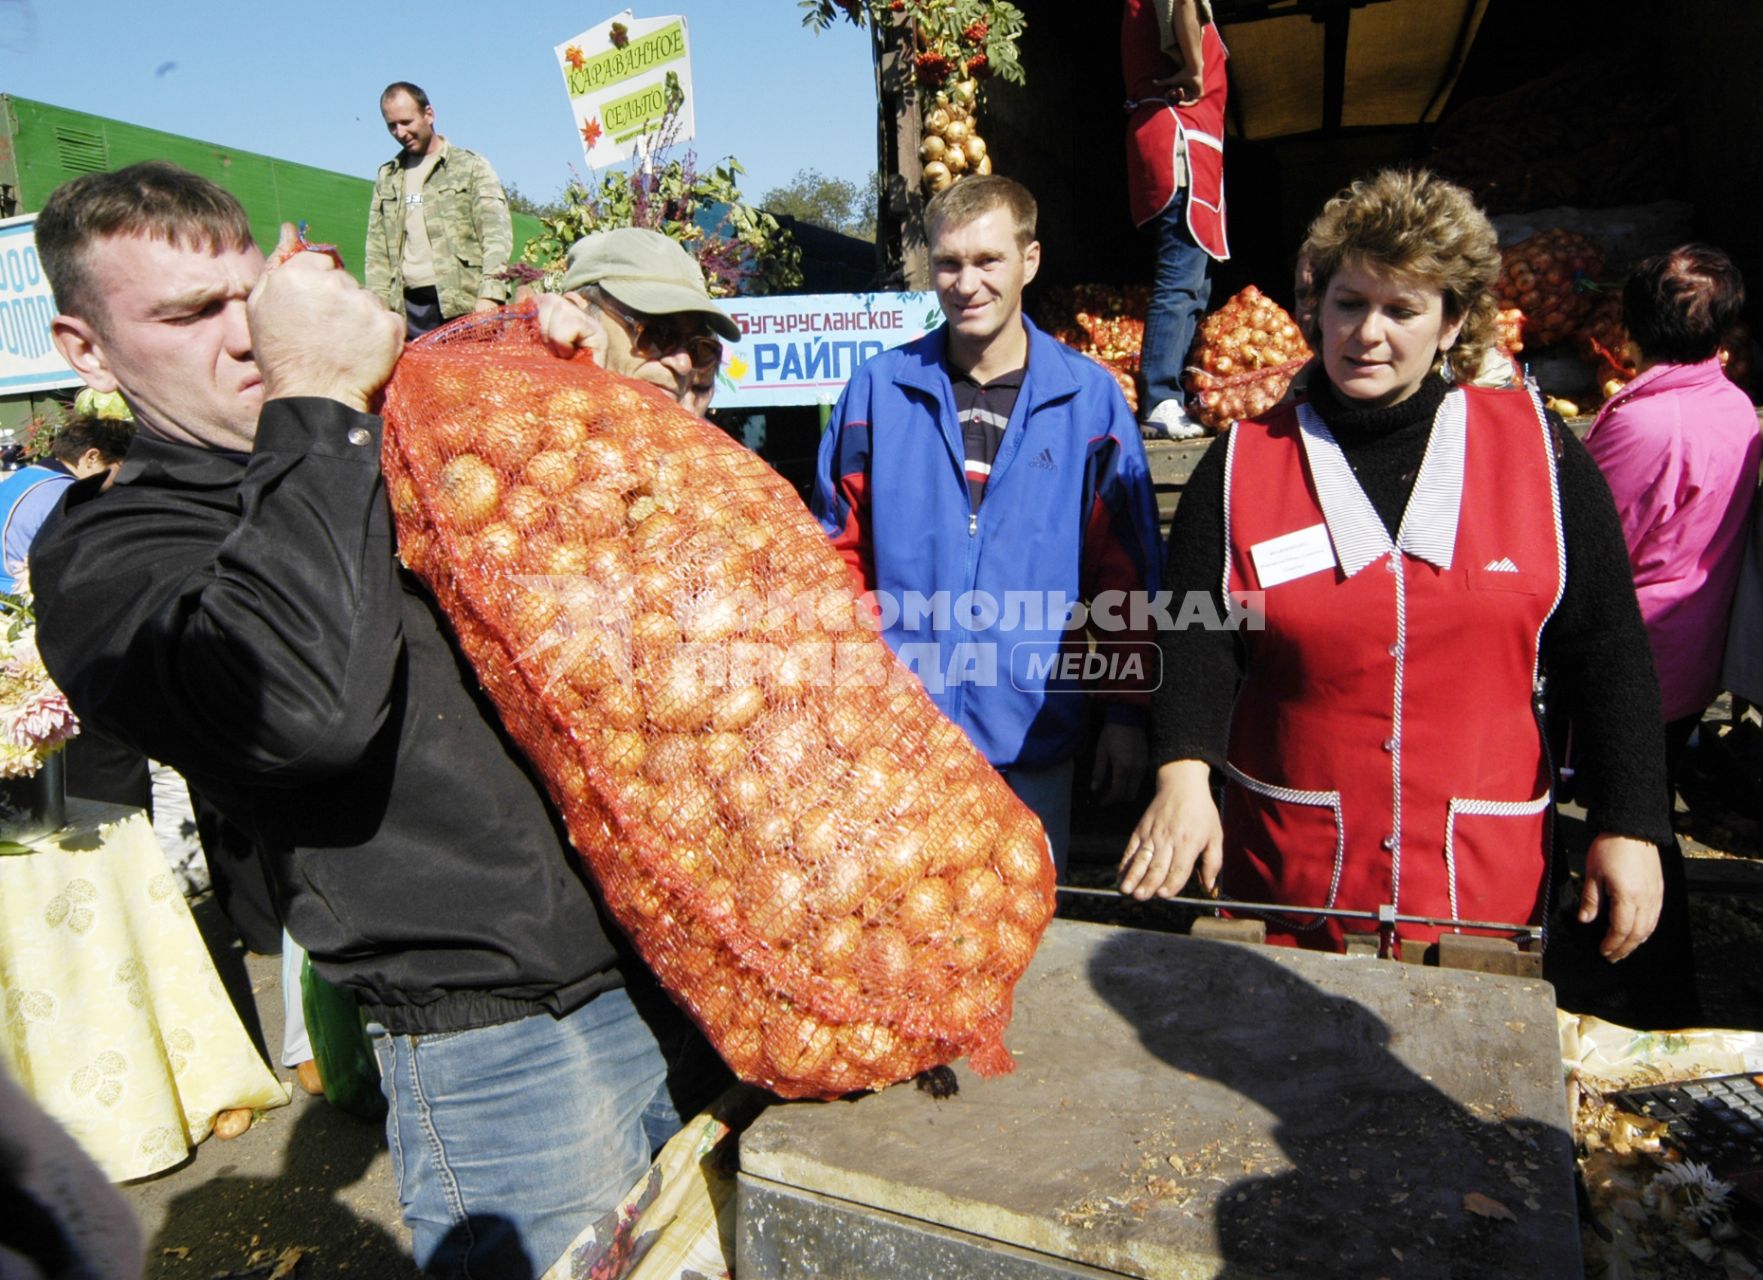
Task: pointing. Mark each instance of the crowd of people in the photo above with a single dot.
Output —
(1434, 572)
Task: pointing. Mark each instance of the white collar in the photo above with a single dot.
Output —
(1429, 523)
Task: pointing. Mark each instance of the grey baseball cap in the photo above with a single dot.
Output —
(647, 272)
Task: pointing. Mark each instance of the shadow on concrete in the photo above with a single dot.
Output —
(234, 1223)
(1380, 1160)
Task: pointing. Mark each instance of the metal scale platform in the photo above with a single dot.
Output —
(1183, 1108)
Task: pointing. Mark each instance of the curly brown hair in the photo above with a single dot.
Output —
(1410, 223)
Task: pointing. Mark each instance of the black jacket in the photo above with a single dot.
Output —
(243, 618)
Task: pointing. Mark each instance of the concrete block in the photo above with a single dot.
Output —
(1185, 1108)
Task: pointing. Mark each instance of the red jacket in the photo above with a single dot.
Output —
(1384, 746)
(1160, 134)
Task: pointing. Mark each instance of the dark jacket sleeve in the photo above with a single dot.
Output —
(254, 641)
(1600, 668)
(1190, 711)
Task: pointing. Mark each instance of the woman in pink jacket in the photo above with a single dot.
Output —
(1679, 447)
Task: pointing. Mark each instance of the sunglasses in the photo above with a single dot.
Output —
(655, 336)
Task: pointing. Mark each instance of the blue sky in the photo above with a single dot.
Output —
(302, 80)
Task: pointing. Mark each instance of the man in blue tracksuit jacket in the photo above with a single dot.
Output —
(981, 480)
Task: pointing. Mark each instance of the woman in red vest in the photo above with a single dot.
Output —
(1426, 556)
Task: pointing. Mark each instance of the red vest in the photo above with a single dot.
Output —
(1384, 747)
(1159, 133)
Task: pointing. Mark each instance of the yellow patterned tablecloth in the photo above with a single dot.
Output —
(114, 1018)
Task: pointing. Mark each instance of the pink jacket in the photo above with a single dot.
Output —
(1679, 447)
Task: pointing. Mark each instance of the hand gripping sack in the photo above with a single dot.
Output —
(815, 862)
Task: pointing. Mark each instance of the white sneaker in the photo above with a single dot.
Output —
(1170, 420)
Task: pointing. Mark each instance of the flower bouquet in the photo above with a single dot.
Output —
(35, 722)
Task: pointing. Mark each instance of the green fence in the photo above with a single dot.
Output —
(42, 146)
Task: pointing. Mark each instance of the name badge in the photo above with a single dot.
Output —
(1293, 555)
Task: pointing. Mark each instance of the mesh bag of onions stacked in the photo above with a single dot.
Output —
(1545, 277)
(1247, 354)
(816, 863)
(1105, 323)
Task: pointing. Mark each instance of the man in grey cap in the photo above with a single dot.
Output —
(637, 301)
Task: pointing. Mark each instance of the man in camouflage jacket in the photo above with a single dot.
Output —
(438, 232)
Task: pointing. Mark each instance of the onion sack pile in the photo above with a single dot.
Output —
(817, 864)
(1248, 352)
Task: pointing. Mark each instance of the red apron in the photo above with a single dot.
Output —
(1384, 747)
(1161, 134)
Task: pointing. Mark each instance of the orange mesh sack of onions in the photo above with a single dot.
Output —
(816, 863)
(1247, 354)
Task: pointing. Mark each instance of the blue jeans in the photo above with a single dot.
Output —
(1180, 289)
(508, 1140)
(1048, 793)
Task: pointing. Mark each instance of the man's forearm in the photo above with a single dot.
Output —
(1181, 37)
(264, 652)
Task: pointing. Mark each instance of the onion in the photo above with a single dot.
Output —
(470, 492)
(713, 615)
(785, 747)
(588, 513)
(618, 706)
(660, 531)
(737, 708)
(655, 635)
(978, 893)
(927, 907)
(674, 693)
(498, 548)
(932, 148)
(798, 1045)
(1026, 907)
(884, 960)
(836, 943)
(405, 501)
(721, 752)
(745, 797)
(597, 662)
(672, 757)
(530, 613)
(851, 723)
(682, 807)
(774, 906)
(510, 436)
(1013, 946)
(550, 472)
(565, 560)
(772, 833)
(525, 507)
(608, 562)
(837, 887)
(622, 751)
